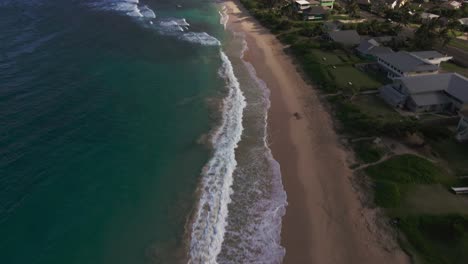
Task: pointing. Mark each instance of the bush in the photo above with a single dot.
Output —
(367, 152)
(386, 194)
(439, 239)
(406, 169)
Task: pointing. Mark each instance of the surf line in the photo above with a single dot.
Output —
(211, 215)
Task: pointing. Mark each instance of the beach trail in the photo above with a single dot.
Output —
(325, 221)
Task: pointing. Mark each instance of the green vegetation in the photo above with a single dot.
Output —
(455, 153)
(377, 109)
(452, 67)
(438, 238)
(406, 169)
(409, 187)
(458, 43)
(368, 152)
(386, 194)
(349, 78)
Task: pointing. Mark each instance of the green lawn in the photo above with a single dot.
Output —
(343, 75)
(406, 169)
(375, 107)
(455, 153)
(327, 57)
(452, 67)
(439, 239)
(461, 44)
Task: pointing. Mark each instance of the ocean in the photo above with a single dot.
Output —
(133, 132)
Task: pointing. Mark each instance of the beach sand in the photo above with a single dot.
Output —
(325, 221)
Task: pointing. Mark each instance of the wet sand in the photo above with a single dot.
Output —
(325, 221)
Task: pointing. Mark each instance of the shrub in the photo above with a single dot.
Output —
(386, 194)
(367, 152)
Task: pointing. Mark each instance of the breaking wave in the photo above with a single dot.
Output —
(176, 27)
(217, 176)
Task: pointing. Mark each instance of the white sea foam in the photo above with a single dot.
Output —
(147, 12)
(130, 8)
(202, 38)
(170, 25)
(224, 17)
(212, 211)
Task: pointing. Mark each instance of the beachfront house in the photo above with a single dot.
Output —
(462, 128)
(447, 92)
(404, 64)
(346, 38)
(370, 48)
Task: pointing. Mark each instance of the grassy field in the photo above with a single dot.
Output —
(441, 239)
(360, 81)
(376, 108)
(452, 67)
(455, 153)
(406, 169)
(461, 44)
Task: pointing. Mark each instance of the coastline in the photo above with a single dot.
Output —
(325, 221)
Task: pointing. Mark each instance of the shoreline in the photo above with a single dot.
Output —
(325, 221)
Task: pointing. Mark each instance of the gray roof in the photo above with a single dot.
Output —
(451, 83)
(372, 47)
(428, 55)
(405, 62)
(391, 96)
(434, 98)
(458, 87)
(346, 37)
(315, 10)
(367, 45)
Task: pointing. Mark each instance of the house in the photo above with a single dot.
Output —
(344, 37)
(431, 56)
(462, 128)
(312, 10)
(370, 48)
(428, 93)
(403, 64)
(464, 22)
(452, 5)
(315, 13)
(301, 5)
(428, 16)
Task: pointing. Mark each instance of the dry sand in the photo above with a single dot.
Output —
(325, 221)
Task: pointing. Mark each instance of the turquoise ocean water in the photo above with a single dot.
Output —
(132, 132)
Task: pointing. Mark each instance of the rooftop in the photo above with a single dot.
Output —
(405, 62)
(452, 83)
(346, 37)
(302, 2)
(372, 47)
(428, 55)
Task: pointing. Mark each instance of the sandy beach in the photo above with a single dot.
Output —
(325, 221)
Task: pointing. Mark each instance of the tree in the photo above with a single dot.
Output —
(352, 8)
